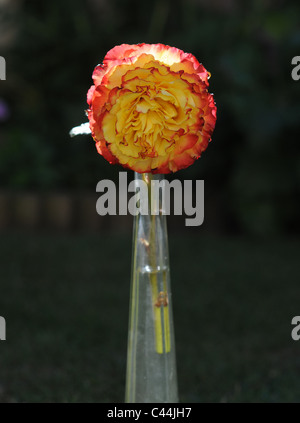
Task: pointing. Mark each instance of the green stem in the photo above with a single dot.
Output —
(159, 305)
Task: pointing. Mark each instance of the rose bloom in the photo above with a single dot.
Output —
(149, 108)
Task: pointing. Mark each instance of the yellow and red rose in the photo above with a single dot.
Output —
(150, 109)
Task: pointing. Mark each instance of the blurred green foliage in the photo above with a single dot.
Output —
(66, 304)
(253, 164)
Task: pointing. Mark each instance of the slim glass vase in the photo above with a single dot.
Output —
(151, 362)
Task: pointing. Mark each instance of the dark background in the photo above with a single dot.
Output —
(64, 271)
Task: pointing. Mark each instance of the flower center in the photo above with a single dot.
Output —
(150, 113)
